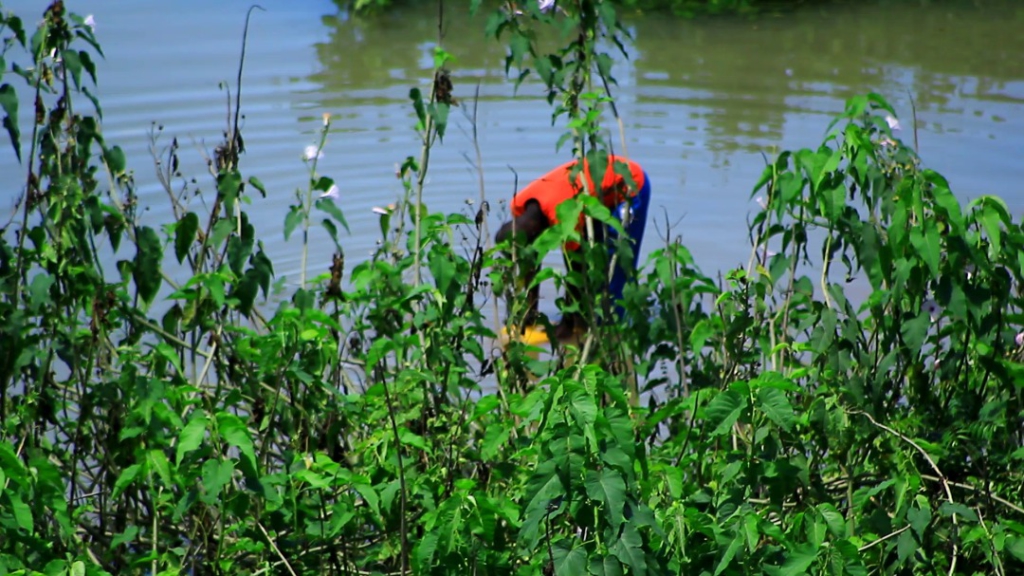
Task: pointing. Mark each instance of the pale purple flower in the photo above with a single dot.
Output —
(332, 192)
(970, 270)
(312, 152)
(1019, 339)
(932, 308)
(761, 202)
(383, 211)
(545, 5)
(90, 22)
(893, 123)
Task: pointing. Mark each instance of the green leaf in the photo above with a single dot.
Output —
(439, 113)
(417, 103)
(442, 268)
(327, 205)
(39, 290)
(609, 489)
(291, 220)
(236, 433)
(926, 240)
(157, 462)
(125, 537)
(9, 102)
(799, 560)
(258, 184)
(629, 550)
(776, 406)
(728, 555)
(229, 184)
(73, 64)
(915, 330)
(906, 545)
(608, 566)
(1015, 546)
(115, 159)
(147, 263)
(191, 436)
(216, 475)
(724, 410)
(951, 508)
(834, 519)
(22, 513)
(128, 475)
(700, 334)
(569, 561)
(240, 248)
(185, 235)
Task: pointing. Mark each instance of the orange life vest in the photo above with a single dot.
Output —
(556, 187)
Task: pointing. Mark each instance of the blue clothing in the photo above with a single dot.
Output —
(636, 208)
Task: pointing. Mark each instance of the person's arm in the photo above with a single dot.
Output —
(527, 226)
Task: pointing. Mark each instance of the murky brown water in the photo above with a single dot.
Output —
(701, 101)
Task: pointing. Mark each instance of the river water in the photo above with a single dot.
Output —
(701, 102)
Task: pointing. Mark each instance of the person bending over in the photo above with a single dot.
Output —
(534, 209)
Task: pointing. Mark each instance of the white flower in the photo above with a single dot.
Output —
(327, 119)
(893, 123)
(932, 308)
(384, 211)
(1019, 339)
(312, 152)
(90, 22)
(761, 202)
(886, 142)
(545, 5)
(332, 192)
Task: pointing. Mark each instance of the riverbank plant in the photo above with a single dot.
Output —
(169, 406)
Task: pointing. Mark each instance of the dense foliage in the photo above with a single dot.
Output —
(168, 406)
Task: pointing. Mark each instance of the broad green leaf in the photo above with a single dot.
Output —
(776, 406)
(629, 550)
(185, 235)
(21, 511)
(951, 508)
(128, 475)
(906, 545)
(115, 159)
(236, 433)
(191, 436)
(569, 561)
(216, 475)
(9, 102)
(328, 205)
(291, 220)
(834, 519)
(798, 561)
(607, 487)
(728, 555)
(915, 330)
(607, 566)
(147, 263)
(724, 410)
(157, 462)
(73, 64)
(229, 184)
(928, 243)
(1015, 546)
(125, 537)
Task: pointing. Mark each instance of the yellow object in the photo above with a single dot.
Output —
(531, 336)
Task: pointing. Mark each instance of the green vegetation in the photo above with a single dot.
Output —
(168, 406)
